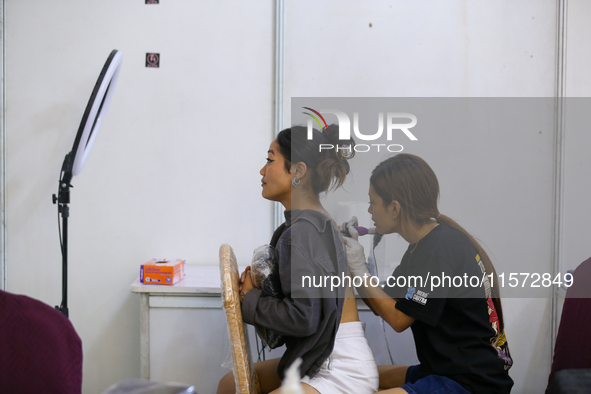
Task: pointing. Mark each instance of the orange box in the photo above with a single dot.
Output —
(162, 271)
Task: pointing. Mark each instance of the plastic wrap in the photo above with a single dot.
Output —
(244, 376)
(264, 273)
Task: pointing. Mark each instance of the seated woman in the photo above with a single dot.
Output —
(322, 328)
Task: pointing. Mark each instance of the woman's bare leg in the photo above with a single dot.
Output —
(266, 372)
(392, 376)
(307, 390)
(393, 391)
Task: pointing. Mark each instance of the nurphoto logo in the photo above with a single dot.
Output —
(392, 124)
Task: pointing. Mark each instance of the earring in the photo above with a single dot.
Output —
(295, 182)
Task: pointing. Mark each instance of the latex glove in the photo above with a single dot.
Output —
(350, 227)
(355, 252)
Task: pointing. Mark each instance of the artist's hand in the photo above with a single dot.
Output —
(350, 227)
(245, 284)
(355, 256)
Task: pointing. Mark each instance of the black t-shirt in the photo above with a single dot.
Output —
(456, 327)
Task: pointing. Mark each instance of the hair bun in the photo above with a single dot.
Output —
(345, 149)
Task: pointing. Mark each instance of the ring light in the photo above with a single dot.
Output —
(93, 117)
(97, 107)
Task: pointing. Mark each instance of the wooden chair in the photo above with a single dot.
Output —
(244, 376)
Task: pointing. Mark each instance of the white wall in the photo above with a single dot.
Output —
(174, 172)
(179, 141)
(454, 49)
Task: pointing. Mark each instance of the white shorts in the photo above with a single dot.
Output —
(351, 367)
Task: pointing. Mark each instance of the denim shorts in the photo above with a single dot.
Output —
(436, 384)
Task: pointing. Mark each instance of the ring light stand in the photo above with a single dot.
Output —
(74, 161)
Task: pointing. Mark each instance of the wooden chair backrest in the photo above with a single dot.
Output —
(244, 376)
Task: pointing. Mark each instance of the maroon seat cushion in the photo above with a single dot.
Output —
(573, 342)
(40, 352)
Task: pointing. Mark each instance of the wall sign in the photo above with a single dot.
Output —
(153, 60)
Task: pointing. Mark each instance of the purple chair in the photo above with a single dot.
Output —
(40, 352)
(572, 352)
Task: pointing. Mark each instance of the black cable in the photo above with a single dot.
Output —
(386, 340)
(259, 350)
(256, 339)
(59, 230)
(376, 240)
(59, 225)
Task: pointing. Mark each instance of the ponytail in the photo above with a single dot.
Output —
(490, 269)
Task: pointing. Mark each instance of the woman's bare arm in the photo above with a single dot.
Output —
(385, 307)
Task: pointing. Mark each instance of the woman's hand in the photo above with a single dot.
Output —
(356, 257)
(245, 284)
(375, 297)
(355, 252)
(350, 227)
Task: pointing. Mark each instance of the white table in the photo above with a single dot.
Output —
(183, 332)
(184, 338)
(196, 290)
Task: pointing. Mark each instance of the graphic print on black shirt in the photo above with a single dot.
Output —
(456, 328)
